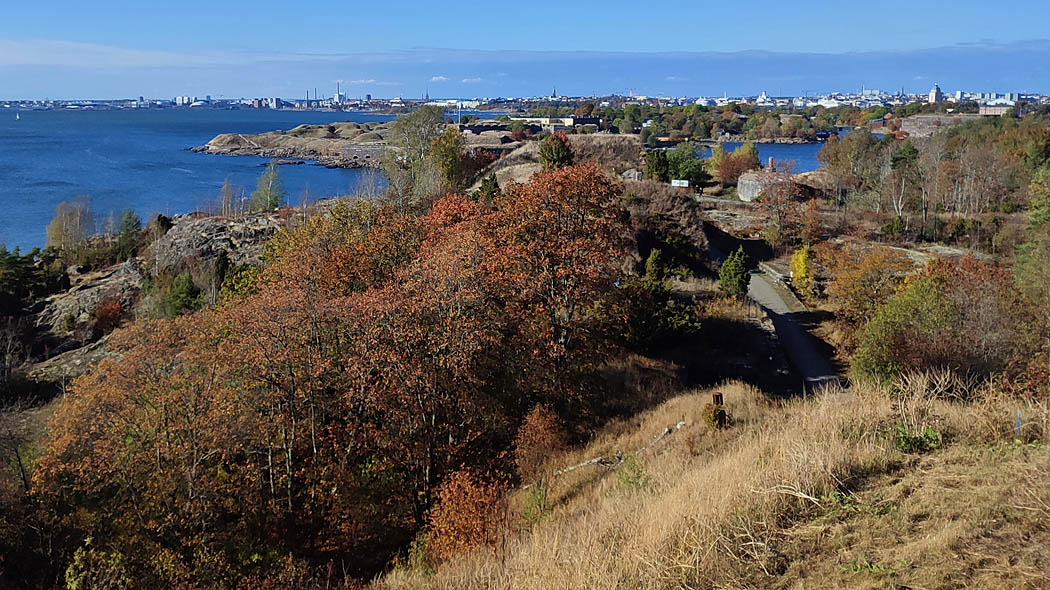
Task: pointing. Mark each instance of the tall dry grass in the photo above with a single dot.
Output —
(712, 509)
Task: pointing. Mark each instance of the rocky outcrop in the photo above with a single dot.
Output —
(120, 282)
(202, 240)
(338, 145)
(64, 367)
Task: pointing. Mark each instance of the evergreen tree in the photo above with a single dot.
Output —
(656, 166)
(732, 275)
(555, 152)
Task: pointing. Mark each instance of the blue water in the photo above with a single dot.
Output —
(138, 159)
(801, 157)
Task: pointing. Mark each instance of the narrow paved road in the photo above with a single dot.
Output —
(801, 347)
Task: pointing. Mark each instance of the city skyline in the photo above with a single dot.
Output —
(1013, 67)
(262, 48)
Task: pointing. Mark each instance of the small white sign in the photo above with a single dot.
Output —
(684, 183)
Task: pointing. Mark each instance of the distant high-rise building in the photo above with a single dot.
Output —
(368, 97)
(936, 95)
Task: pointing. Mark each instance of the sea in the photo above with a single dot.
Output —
(799, 157)
(140, 159)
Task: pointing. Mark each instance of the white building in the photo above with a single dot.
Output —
(936, 95)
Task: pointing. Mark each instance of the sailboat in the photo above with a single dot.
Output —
(18, 116)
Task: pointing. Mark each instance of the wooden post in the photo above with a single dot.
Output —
(716, 398)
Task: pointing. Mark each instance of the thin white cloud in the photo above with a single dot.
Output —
(368, 81)
(675, 79)
(471, 80)
(438, 79)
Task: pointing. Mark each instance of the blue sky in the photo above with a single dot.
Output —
(110, 48)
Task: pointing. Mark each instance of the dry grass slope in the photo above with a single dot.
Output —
(813, 493)
(615, 152)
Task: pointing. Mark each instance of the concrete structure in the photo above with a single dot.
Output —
(994, 110)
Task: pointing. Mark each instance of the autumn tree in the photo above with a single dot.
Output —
(957, 315)
(802, 270)
(539, 437)
(862, 280)
(731, 166)
(563, 239)
(780, 206)
(856, 159)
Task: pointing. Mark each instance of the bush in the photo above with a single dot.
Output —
(537, 504)
(182, 296)
(655, 315)
(539, 437)
(94, 569)
(733, 275)
(467, 514)
(632, 475)
(802, 270)
(894, 228)
(918, 442)
(715, 416)
(108, 315)
(909, 331)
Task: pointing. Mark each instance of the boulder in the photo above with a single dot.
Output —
(120, 282)
(202, 241)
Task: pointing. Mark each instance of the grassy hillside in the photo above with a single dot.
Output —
(924, 485)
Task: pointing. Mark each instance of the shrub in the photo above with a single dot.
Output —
(894, 228)
(655, 315)
(467, 514)
(802, 270)
(909, 331)
(540, 436)
(108, 315)
(715, 416)
(240, 282)
(732, 275)
(918, 442)
(632, 475)
(537, 504)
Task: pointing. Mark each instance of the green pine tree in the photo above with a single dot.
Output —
(732, 275)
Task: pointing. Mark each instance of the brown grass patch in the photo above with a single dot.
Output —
(809, 493)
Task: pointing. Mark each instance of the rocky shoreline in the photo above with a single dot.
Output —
(291, 156)
(741, 139)
(336, 145)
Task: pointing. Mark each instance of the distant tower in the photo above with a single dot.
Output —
(554, 94)
(936, 95)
